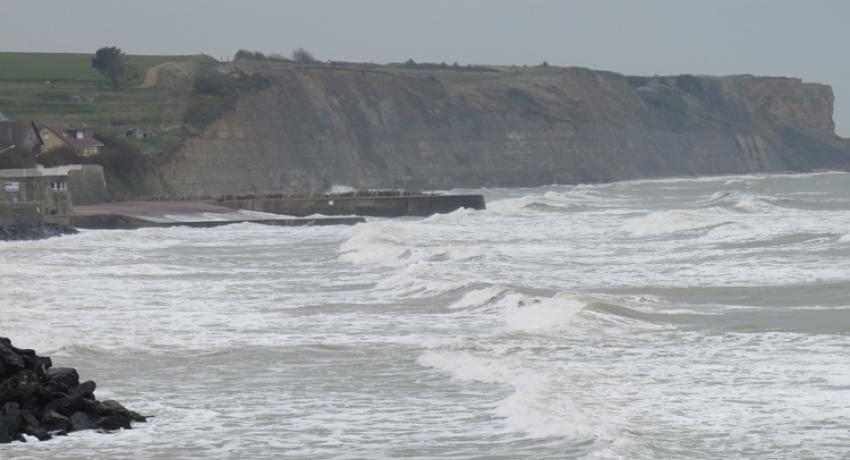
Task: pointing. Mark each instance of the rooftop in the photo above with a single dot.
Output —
(69, 136)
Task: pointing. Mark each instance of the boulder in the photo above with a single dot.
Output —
(81, 421)
(10, 422)
(64, 378)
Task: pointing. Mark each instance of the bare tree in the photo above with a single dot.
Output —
(302, 56)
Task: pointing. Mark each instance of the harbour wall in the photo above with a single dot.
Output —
(378, 206)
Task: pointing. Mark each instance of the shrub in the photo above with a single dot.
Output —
(62, 156)
(18, 157)
(249, 55)
(215, 93)
(302, 56)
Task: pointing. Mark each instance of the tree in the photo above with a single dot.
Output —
(112, 63)
(249, 55)
(16, 157)
(302, 56)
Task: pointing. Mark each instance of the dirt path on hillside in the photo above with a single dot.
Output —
(152, 75)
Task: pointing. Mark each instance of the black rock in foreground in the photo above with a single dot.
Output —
(42, 401)
(33, 232)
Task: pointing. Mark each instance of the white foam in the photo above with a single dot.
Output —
(478, 297)
(536, 315)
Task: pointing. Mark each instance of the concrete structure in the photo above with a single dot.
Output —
(379, 206)
(76, 196)
(53, 190)
(79, 139)
(190, 213)
(20, 214)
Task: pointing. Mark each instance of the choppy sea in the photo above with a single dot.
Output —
(675, 318)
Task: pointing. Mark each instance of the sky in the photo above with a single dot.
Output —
(806, 39)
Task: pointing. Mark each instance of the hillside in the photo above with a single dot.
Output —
(264, 126)
(63, 89)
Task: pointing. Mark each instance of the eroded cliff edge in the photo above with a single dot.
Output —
(323, 125)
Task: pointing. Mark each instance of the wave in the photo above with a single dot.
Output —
(675, 221)
(537, 406)
(745, 238)
(739, 201)
(375, 244)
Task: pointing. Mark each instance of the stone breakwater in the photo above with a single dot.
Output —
(39, 400)
(33, 232)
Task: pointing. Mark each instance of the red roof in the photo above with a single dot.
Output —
(69, 136)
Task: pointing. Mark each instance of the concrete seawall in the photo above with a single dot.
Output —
(20, 214)
(378, 206)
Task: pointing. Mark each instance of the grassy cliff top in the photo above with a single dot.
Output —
(74, 67)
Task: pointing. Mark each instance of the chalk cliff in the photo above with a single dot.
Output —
(368, 128)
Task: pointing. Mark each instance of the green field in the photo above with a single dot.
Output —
(62, 89)
(72, 67)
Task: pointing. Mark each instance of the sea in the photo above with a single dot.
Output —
(676, 318)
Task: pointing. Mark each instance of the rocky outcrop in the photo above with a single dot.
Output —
(39, 400)
(33, 232)
(317, 126)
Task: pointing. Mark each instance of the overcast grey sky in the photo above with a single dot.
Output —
(806, 39)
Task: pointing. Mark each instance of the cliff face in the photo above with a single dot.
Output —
(372, 129)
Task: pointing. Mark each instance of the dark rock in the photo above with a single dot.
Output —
(40, 433)
(11, 360)
(83, 390)
(110, 407)
(74, 401)
(81, 421)
(19, 386)
(29, 418)
(53, 420)
(113, 422)
(10, 422)
(28, 381)
(38, 364)
(64, 377)
(24, 352)
(33, 232)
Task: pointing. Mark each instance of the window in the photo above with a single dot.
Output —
(58, 186)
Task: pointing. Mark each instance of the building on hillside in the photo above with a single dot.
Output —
(79, 139)
(138, 133)
(20, 134)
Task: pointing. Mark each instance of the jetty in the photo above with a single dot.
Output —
(76, 196)
(199, 214)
